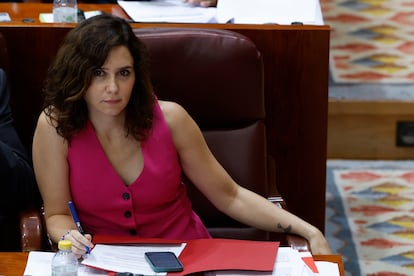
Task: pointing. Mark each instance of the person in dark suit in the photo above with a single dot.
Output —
(18, 188)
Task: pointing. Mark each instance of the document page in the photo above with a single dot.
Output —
(129, 258)
(289, 262)
(40, 264)
(327, 268)
(167, 11)
(268, 11)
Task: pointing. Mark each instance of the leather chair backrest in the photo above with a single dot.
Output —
(217, 76)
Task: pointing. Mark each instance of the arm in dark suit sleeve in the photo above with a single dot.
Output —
(17, 183)
(18, 188)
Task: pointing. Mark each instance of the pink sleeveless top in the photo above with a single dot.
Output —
(154, 205)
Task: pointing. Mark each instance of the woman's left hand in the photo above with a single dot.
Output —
(318, 244)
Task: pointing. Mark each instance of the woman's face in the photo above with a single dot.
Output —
(111, 85)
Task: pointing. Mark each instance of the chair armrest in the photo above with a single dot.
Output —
(31, 230)
(297, 242)
(294, 241)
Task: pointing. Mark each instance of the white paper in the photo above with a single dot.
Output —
(289, 262)
(40, 264)
(269, 11)
(318, 14)
(4, 17)
(48, 17)
(234, 11)
(167, 11)
(327, 268)
(127, 258)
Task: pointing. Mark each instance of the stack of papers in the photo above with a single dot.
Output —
(283, 12)
(167, 11)
(196, 256)
(127, 257)
(233, 11)
(102, 259)
(221, 257)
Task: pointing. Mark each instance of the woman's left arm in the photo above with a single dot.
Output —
(202, 168)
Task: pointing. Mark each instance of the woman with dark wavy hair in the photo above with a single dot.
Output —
(105, 142)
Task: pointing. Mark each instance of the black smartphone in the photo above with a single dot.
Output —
(163, 261)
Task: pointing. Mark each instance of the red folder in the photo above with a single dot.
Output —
(227, 254)
(214, 254)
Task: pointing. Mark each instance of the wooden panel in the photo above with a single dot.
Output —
(296, 91)
(367, 129)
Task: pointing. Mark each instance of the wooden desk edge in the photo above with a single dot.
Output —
(14, 263)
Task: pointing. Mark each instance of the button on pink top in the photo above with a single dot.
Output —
(154, 205)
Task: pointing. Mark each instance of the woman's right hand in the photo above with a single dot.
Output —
(81, 244)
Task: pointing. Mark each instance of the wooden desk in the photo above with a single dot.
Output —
(14, 263)
(296, 90)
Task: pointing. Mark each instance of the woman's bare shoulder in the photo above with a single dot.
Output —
(46, 130)
(45, 121)
(173, 112)
(169, 106)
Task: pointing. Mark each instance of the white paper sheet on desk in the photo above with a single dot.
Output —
(167, 11)
(327, 268)
(127, 257)
(39, 264)
(269, 11)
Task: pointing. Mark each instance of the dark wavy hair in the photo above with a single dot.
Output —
(84, 50)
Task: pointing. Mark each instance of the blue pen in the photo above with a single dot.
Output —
(77, 222)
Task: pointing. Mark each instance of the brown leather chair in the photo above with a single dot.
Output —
(217, 76)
